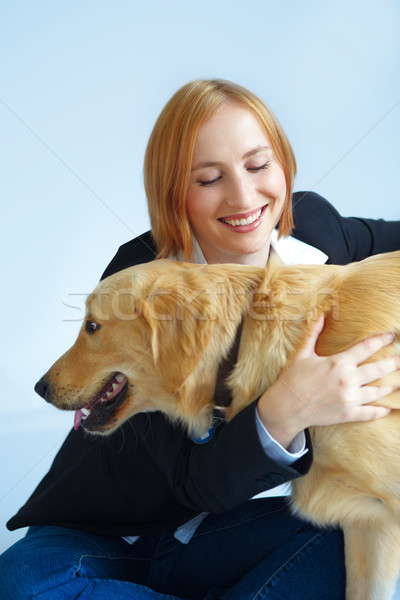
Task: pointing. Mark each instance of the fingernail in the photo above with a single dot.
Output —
(389, 337)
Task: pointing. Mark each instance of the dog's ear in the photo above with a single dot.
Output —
(181, 322)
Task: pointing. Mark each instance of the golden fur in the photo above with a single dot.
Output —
(165, 326)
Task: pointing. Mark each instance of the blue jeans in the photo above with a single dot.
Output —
(258, 550)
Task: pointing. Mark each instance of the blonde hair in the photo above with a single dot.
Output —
(169, 153)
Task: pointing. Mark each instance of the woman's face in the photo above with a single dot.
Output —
(237, 188)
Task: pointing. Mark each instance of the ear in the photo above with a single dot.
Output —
(181, 323)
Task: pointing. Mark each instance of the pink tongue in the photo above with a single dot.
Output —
(78, 419)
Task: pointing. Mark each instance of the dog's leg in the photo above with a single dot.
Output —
(372, 560)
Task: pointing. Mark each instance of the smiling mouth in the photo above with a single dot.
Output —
(101, 409)
(241, 220)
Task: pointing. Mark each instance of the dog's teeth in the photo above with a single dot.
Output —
(86, 411)
(119, 377)
(106, 396)
(114, 386)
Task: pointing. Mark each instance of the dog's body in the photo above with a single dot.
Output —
(154, 336)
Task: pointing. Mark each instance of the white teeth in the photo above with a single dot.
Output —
(106, 396)
(111, 391)
(86, 411)
(236, 222)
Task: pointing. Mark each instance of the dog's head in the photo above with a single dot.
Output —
(152, 339)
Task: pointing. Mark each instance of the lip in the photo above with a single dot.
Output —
(102, 413)
(100, 409)
(245, 228)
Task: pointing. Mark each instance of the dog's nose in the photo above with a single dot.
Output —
(43, 389)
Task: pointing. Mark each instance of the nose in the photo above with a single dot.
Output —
(43, 389)
(240, 192)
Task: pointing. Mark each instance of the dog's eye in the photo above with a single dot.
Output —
(91, 326)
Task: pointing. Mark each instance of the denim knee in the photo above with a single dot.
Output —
(17, 570)
(34, 565)
(51, 563)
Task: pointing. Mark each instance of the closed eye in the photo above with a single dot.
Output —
(262, 167)
(206, 182)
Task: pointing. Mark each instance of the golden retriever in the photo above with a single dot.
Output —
(154, 335)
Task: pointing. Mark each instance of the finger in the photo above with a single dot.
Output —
(309, 346)
(369, 393)
(370, 413)
(376, 370)
(363, 350)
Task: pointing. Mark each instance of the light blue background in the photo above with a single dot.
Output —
(81, 84)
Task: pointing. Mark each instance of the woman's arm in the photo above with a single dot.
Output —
(225, 471)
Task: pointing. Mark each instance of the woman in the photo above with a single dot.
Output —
(219, 175)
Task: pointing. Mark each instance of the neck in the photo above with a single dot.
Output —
(255, 259)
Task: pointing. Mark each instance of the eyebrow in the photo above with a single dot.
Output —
(247, 154)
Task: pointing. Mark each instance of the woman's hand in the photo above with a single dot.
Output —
(316, 390)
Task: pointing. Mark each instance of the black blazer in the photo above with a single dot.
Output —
(148, 476)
